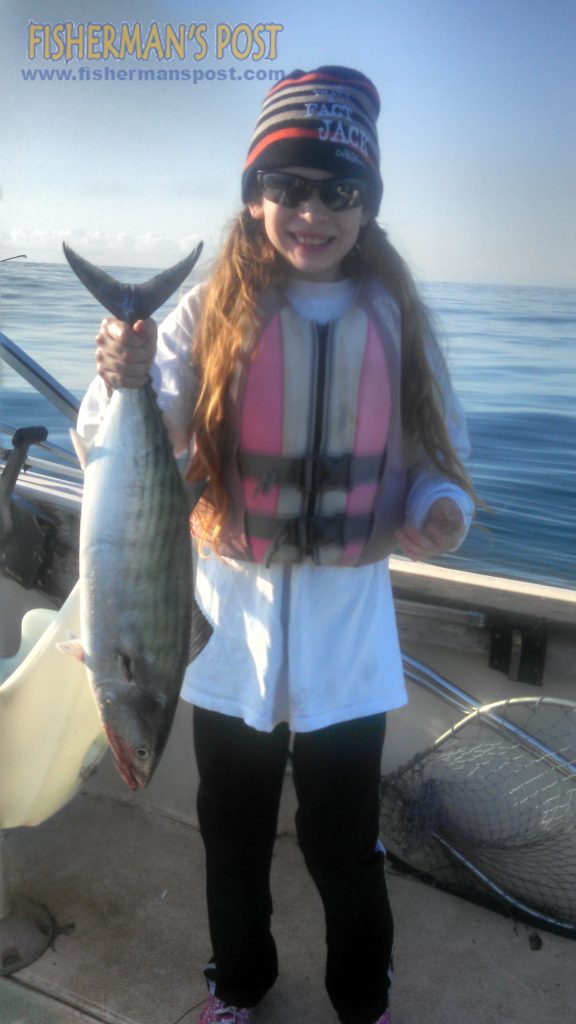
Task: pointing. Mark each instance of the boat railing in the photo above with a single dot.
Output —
(60, 461)
(39, 378)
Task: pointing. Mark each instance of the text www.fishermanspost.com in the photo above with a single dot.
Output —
(91, 53)
(195, 76)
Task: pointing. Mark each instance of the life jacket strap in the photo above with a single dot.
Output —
(307, 533)
(310, 474)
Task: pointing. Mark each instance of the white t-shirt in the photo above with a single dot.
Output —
(305, 644)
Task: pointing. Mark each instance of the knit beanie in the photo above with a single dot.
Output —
(324, 119)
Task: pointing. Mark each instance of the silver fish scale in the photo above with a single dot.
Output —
(135, 550)
(136, 601)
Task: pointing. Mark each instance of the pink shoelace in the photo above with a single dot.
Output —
(217, 1012)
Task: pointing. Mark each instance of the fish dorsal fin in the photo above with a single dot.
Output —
(200, 632)
(194, 492)
(130, 302)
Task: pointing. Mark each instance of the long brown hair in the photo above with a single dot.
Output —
(248, 267)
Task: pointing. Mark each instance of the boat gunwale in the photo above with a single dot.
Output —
(464, 589)
(422, 581)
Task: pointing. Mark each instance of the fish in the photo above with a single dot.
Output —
(140, 625)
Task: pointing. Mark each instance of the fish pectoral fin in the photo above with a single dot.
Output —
(73, 646)
(126, 666)
(81, 447)
(200, 632)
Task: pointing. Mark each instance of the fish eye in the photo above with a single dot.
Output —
(141, 752)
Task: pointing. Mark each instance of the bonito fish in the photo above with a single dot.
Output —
(140, 624)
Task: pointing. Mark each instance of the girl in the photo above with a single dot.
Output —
(307, 373)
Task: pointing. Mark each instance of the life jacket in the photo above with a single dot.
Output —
(319, 470)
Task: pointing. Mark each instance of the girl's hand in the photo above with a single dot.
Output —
(125, 354)
(441, 531)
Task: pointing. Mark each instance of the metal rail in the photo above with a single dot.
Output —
(468, 705)
(524, 908)
(30, 370)
(66, 468)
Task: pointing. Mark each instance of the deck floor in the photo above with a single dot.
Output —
(126, 889)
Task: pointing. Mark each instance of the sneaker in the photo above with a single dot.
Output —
(217, 1012)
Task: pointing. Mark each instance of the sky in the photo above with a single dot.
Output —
(477, 128)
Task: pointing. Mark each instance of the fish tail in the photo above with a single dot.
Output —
(130, 302)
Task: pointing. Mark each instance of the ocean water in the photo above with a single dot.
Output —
(512, 355)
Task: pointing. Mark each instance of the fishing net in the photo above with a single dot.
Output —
(489, 811)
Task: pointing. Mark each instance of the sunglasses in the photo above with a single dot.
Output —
(290, 190)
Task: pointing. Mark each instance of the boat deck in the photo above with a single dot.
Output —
(125, 886)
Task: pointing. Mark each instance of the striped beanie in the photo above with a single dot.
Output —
(324, 119)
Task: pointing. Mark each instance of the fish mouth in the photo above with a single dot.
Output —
(125, 761)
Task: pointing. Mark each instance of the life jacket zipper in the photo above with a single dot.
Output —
(321, 334)
(322, 339)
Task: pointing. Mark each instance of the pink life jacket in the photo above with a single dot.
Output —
(319, 470)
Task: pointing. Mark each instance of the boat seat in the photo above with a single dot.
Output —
(50, 734)
(34, 624)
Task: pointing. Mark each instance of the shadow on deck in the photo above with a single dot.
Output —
(126, 887)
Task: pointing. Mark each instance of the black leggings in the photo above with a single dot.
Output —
(336, 776)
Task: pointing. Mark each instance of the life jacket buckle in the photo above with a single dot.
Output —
(269, 481)
(312, 533)
(308, 534)
(324, 473)
(307, 482)
(334, 472)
